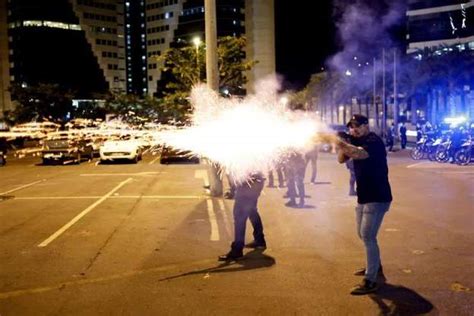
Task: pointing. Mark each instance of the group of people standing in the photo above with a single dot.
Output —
(391, 135)
(367, 152)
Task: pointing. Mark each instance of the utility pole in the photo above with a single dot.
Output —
(376, 117)
(212, 77)
(384, 101)
(395, 92)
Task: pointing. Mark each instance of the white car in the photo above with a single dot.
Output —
(120, 149)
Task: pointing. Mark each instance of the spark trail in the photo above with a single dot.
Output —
(245, 136)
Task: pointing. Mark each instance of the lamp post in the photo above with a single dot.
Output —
(197, 43)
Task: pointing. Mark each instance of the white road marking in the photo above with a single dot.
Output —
(417, 164)
(82, 214)
(212, 220)
(163, 197)
(224, 215)
(154, 160)
(147, 173)
(22, 187)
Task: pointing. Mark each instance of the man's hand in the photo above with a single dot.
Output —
(351, 151)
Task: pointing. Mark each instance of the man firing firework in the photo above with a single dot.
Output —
(373, 193)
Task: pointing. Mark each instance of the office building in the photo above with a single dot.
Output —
(437, 23)
(98, 46)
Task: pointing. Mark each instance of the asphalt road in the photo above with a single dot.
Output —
(126, 239)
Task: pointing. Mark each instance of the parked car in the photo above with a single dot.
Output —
(121, 149)
(66, 147)
(170, 154)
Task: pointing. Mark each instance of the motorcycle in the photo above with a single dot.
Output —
(423, 148)
(464, 155)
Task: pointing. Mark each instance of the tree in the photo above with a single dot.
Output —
(185, 66)
(40, 102)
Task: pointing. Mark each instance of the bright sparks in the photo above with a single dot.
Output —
(244, 136)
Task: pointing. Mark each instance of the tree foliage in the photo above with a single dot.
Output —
(185, 66)
(40, 102)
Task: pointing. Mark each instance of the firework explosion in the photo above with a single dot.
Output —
(245, 136)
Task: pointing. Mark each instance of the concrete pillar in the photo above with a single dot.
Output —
(260, 32)
(5, 99)
(212, 76)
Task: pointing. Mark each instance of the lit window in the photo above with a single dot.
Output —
(167, 15)
(143, 57)
(234, 22)
(32, 23)
(127, 4)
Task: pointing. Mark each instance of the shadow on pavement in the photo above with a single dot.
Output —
(254, 259)
(320, 182)
(399, 300)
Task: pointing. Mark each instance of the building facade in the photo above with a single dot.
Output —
(99, 46)
(444, 26)
(76, 44)
(433, 23)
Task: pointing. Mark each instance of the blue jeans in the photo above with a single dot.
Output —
(245, 207)
(369, 217)
(295, 180)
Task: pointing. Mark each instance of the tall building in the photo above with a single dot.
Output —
(97, 46)
(433, 23)
(5, 100)
(77, 44)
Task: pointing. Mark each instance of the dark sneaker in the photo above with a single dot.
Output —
(291, 203)
(256, 245)
(231, 256)
(361, 272)
(366, 287)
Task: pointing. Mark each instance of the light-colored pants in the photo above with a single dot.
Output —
(369, 217)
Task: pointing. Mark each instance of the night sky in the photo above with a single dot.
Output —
(304, 38)
(307, 36)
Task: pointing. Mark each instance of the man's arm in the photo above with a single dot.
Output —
(347, 151)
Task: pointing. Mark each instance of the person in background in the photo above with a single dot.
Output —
(245, 207)
(295, 171)
(279, 172)
(374, 194)
(352, 177)
(390, 137)
(312, 158)
(403, 136)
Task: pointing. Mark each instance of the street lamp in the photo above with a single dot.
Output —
(197, 43)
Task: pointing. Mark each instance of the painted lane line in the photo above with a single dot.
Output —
(417, 164)
(22, 187)
(147, 173)
(227, 224)
(82, 214)
(212, 220)
(163, 197)
(154, 160)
